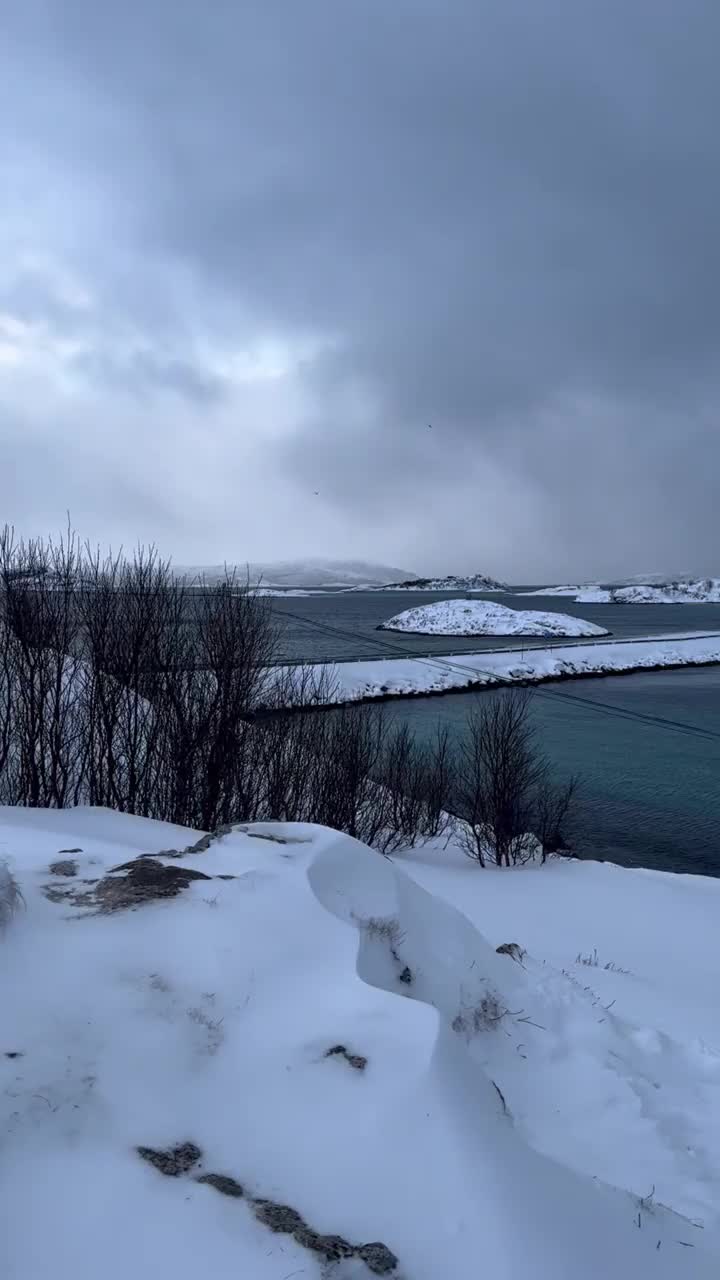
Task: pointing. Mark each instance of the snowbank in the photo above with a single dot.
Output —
(402, 677)
(206, 1072)
(487, 618)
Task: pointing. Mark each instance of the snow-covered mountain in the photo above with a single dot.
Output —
(452, 582)
(286, 574)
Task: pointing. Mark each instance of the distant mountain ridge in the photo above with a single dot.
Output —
(312, 573)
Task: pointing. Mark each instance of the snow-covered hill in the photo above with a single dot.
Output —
(322, 574)
(699, 591)
(275, 1053)
(452, 582)
(487, 618)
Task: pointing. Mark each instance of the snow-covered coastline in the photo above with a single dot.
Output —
(701, 591)
(686, 591)
(487, 618)
(385, 678)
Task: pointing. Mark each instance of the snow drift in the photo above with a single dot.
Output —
(271, 1052)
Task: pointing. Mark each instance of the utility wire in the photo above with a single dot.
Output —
(641, 717)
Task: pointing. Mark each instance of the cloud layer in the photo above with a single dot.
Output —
(424, 281)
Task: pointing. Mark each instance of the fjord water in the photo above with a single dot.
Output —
(651, 794)
(310, 625)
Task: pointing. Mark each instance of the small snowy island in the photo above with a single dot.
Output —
(452, 582)
(487, 618)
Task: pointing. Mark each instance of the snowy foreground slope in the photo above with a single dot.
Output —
(487, 618)
(308, 1063)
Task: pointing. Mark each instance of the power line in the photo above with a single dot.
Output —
(641, 717)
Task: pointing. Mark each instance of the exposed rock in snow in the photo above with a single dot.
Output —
(487, 618)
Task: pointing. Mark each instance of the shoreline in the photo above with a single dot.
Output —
(389, 679)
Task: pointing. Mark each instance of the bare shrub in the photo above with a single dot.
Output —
(122, 685)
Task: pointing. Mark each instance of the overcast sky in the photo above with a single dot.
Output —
(435, 282)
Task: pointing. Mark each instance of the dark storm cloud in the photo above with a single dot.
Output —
(503, 217)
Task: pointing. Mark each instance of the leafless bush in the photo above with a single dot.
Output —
(504, 794)
(121, 685)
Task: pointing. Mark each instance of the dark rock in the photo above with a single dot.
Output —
(406, 976)
(174, 1161)
(377, 1258)
(512, 949)
(331, 1248)
(145, 880)
(69, 850)
(226, 1186)
(278, 1217)
(14, 1053)
(354, 1060)
(65, 867)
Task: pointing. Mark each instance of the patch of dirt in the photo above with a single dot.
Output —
(174, 1161)
(65, 867)
(226, 1186)
(145, 880)
(355, 1060)
(279, 1218)
(377, 1258)
(61, 893)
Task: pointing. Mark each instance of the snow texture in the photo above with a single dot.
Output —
(487, 618)
(174, 1099)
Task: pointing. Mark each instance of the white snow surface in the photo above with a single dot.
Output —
(398, 677)
(527, 1118)
(487, 618)
(701, 591)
